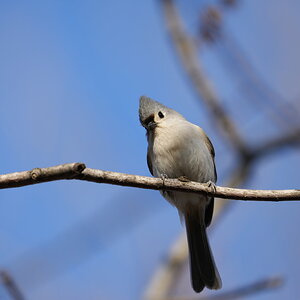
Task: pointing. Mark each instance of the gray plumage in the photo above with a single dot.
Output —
(178, 148)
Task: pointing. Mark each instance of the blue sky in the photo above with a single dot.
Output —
(71, 73)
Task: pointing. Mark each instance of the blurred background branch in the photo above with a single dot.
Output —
(11, 286)
(241, 292)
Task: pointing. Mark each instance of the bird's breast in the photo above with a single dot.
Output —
(180, 151)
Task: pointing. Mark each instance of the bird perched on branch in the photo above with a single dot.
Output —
(180, 149)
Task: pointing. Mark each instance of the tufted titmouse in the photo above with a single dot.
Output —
(178, 148)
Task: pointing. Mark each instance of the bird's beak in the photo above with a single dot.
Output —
(149, 123)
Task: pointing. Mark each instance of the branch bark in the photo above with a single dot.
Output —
(79, 171)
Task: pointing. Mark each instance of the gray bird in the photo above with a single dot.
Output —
(178, 148)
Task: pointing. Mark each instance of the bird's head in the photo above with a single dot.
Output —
(153, 113)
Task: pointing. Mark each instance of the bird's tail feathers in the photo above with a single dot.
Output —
(203, 269)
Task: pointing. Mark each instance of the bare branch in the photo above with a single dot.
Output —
(37, 175)
(78, 171)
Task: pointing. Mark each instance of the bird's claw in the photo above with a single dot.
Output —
(212, 186)
(163, 177)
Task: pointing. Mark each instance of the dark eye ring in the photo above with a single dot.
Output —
(160, 114)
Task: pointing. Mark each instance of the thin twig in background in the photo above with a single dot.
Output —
(255, 89)
(291, 138)
(241, 292)
(11, 286)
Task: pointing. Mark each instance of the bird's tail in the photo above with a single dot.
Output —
(202, 266)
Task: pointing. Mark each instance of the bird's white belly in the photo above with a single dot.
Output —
(181, 156)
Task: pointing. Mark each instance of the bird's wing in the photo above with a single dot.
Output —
(210, 207)
(211, 149)
(149, 163)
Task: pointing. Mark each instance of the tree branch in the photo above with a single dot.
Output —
(79, 171)
(38, 175)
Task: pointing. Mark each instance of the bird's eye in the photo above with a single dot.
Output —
(160, 114)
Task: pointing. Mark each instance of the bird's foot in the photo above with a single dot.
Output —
(183, 179)
(163, 177)
(212, 186)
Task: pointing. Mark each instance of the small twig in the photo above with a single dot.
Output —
(247, 290)
(78, 171)
(259, 92)
(291, 138)
(11, 286)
